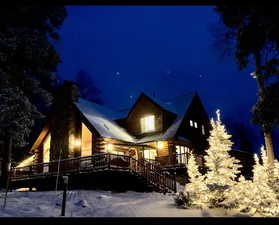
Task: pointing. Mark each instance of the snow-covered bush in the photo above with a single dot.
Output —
(260, 195)
(183, 200)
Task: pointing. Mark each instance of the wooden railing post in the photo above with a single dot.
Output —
(174, 180)
(108, 155)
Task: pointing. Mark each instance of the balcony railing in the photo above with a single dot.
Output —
(163, 180)
(174, 160)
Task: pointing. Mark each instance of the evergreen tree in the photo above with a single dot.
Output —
(28, 62)
(251, 32)
(258, 196)
(222, 168)
(196, 189)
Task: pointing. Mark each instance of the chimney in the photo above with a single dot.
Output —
(64, 125)
(68, 91)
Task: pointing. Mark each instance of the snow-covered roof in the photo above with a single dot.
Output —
(177, 105)
(169, 133)
(102, 119)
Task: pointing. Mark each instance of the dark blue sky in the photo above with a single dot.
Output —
(163, 49)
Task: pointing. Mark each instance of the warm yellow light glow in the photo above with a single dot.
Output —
(150, 154)
(46, 148)
(77, 143)
(160, 145)
(148, 123)
(109, 147)
(86, 141)
(26, 162)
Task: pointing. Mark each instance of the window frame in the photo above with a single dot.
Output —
(145, 124)
(191, 123)
(203, 129)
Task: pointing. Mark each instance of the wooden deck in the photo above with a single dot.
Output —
(104, 163)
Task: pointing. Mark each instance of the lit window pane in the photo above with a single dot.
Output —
(203, 131)
(150, 154)
(148, 123)
(46, 147)
(191, 123)
(86, 141)
(196, 125)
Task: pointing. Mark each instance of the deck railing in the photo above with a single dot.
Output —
(162, 179)
(174, 160)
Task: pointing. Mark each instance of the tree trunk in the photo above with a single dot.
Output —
(266, 130)
(6, 163)
(269, 146)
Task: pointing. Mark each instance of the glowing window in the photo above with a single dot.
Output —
(150, 154)
(196, 124)
(203, 130)
(86, 141)
(46, 148)
(148, 123)
(182, 154)
(191, 123)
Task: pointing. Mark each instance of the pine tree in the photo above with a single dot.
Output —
(222, 168)
(258, 196)
(196, 187)
(28, 62)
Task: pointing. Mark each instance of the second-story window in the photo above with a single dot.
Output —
(191, 123)
(147, 124)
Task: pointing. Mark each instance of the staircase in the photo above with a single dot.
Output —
(148, 173)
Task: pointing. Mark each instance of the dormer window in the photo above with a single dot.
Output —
(147, 124)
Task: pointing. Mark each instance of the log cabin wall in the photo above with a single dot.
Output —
(144, 107)
(163, 150)
(100, 145)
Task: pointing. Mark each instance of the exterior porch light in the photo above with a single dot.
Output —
(77, 143)
(109, 147)
(160, 145)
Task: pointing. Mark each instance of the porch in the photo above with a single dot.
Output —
(174, 160)
(147, 172)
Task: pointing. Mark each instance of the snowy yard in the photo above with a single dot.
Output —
(83, 203)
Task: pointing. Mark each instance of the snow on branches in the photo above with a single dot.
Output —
(210, 190)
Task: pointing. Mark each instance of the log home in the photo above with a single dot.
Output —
(153, 139)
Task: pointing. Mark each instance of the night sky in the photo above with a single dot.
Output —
(166, 50)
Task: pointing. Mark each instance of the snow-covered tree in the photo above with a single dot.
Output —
(196, 187)
(212, 188)
(222, 167)
(258, 196)
(28, 62)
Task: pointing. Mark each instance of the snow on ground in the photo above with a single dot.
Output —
(85, 203)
